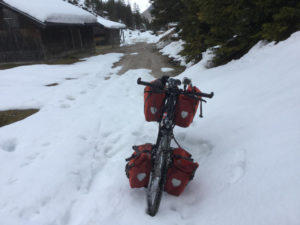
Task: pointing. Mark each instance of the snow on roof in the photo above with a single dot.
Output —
(110, 24)
(52, 11)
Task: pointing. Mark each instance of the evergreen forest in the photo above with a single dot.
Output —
(116, 10)
(230, 27)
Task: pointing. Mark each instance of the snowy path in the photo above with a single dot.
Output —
(65, 164)
(144, 55)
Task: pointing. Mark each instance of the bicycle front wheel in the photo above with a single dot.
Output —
(157, 181)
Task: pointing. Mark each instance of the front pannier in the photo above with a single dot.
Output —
(186, 108)
(153, 104)
(139, 166)
(180, 172)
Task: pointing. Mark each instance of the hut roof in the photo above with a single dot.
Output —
(110, 24)
(51, 11)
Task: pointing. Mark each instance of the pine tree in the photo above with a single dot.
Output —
(193, 31)
(283, 19)
(236, 25)
(165, 12)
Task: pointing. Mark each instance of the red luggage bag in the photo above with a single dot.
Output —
(186, 108)
(153, 104)
(180, 172)
(139, 166)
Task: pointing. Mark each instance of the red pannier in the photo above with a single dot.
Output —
(186, 108)
(153, 104)
(139, 166)
(180, 172)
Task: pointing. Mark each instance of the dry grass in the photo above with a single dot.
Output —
(67, 60)
(11, 116)
(51, 85)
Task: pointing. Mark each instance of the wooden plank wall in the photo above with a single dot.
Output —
(23, 41)
(19, 39)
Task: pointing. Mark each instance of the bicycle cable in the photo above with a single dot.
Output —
(176, 141)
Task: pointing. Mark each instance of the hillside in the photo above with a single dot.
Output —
(147, 14)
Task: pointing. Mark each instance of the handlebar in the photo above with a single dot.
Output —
(140, 82)
(202, 94)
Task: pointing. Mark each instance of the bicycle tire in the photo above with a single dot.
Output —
(157, 181)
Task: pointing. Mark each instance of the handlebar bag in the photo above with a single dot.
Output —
(153, 104)
(186, 108)
(180, 172)
(139, 166)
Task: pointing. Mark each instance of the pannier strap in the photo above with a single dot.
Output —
(176, 141)
(155, 91)
(138, 153)
(182, 157)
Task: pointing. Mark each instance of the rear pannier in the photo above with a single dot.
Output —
(153, 104)
(139, 166)
(186, 108)
(180, 172)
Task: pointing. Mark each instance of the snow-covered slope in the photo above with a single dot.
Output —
(65, 164)
(173, 50)
(251, 175)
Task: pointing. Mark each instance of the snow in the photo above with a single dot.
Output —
(166, 69)
(54, 11)
(168, 32)
(173, 50)
(110, 24)
(65, 164)
(136, 36)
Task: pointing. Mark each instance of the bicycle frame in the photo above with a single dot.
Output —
(162, 154)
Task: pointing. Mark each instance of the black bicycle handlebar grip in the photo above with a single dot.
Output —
(205, 95)
(140, 82)
(178, 82)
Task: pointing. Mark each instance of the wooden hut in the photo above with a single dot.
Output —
(108, 32)
(35, 30)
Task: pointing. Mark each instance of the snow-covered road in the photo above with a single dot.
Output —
(65, 164)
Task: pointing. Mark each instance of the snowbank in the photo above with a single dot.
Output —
(173, 49)
(136, 36)
(249, 172)
(54, 11)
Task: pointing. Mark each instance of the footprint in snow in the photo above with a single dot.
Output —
(137, 133)
(12, 181)
(45, 144)
(92, 86)
(70, 98)
(9, 145)
(83, 92)
(65, 106)
(32, 156)
(108, 151)
(106, 134)
(30, 159)
(116, 138)
(202, 152)
(28, 212)
(82, 137)
(238, 167)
